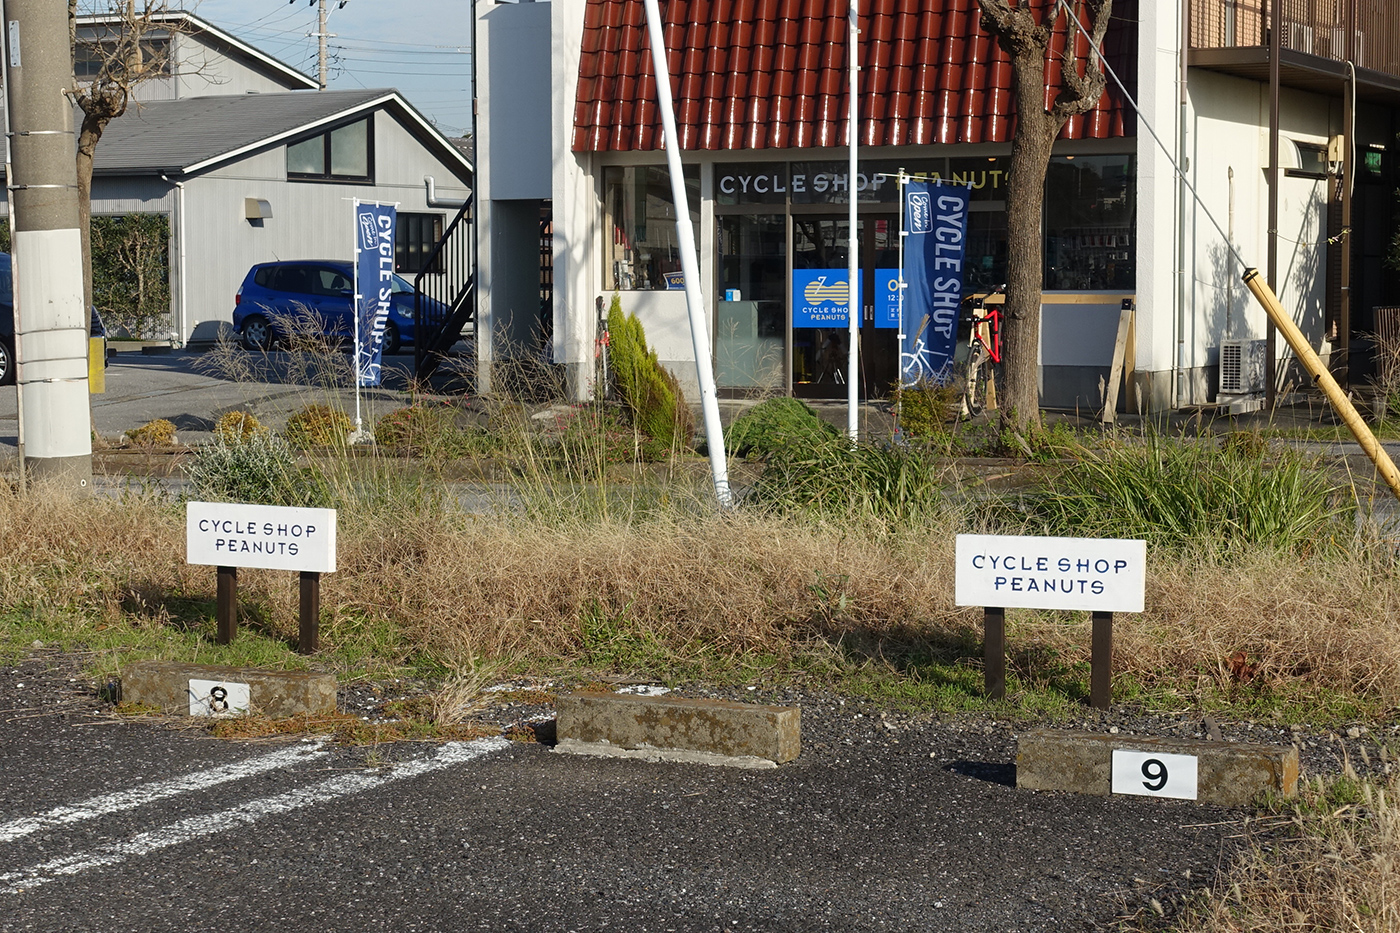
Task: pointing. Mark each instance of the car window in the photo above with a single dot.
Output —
(293, 279)
(7, 282)
(263, 277)
(401, 286)
(331, 282)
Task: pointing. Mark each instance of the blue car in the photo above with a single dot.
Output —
(7, 322)
(311, 298)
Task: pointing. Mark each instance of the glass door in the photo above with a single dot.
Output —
(819, 353)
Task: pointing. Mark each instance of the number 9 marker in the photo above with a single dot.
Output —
(1152, 774)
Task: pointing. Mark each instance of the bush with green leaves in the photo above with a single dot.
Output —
(131, 272)
(260, 469)
(775, 425)
(925, 408)
(834, 479)
(1191, 493)
(318, 425)
(652, 395)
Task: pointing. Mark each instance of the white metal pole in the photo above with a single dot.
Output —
(690, 264)
(853, 258)
(899, 333)
(355, 313)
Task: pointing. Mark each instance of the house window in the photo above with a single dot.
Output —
(1090, 223)
(1312, 161)
(414, 239)
(346, 153)
(642, 251)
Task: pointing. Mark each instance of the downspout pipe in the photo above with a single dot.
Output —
(1275, 53)
(1184, 160)
(435, 201)
(182, 313)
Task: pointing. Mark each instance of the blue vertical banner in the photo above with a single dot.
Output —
(935, 227)
(374, 287)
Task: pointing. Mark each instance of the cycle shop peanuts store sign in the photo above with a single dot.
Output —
(264, 536)
(1014, 572)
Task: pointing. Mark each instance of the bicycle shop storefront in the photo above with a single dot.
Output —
(781, 237)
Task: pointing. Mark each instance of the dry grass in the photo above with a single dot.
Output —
(492, 589)
(1335, 868)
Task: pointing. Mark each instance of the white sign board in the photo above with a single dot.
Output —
(218, 698)
(1152, 774)
(272, 537)
(1022, 572)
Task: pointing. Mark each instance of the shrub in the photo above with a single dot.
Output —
(415, 427)
(925, 407)
(652, 395)
(260, 469)
(833, 479)
(1180, 493)
(318, 426)
(238, 426)
(775, 424)
(157, 433)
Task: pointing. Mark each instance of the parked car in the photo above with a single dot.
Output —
(311, 298)
(7, 323)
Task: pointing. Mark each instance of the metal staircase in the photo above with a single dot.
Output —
(444, 294)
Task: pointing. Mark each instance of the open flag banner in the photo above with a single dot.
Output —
(935, 227)
(374, 287)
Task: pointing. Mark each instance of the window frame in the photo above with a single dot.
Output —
(329, 174)
(438, 223)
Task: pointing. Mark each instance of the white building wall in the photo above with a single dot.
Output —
(1229, 158)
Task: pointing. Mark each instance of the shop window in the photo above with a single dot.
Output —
(641, 250)
(345, 153)
(414, 239)
(1090, 223)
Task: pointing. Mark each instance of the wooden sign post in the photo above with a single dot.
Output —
(272, 537)
(1101, 575)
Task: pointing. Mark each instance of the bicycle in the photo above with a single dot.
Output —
(983, 352)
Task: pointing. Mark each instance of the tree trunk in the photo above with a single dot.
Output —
(88, 137)
(1026, 41)
(1025, 206)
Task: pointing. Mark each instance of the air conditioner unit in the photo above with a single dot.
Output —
(1242, 366)
(1300, 38)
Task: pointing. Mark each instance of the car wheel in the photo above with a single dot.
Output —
(7, 363)
(257, 333)
(391, 338)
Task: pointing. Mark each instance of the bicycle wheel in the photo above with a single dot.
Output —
(975, 387)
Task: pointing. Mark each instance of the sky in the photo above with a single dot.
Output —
(421, 47)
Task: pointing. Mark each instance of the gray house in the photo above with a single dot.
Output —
(256, 177)
(249, 163)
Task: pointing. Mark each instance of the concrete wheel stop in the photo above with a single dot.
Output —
(211, 690)
(716, 732)
(1228, 774)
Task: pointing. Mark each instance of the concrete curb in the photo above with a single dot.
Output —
(680, 729)
(606, 750)
(1229, 774)
(184, 690)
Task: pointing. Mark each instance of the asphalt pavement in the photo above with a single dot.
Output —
(898, 823)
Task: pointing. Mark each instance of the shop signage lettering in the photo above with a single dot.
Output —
(773, 185)
(888, 284)
(267, 536)
(1014, 571)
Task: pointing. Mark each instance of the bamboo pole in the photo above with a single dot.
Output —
(1304, 351)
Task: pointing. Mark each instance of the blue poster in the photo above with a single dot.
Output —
(820, 297)
(935, 224)
(374, 287)
(887, 298)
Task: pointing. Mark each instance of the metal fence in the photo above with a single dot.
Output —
(1366, 32)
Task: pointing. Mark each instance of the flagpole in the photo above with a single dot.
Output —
(690, 263)
(899, 345)
(355, 279)
(853, 258)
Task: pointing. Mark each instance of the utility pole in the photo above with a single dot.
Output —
(321, 37)
(51, 318)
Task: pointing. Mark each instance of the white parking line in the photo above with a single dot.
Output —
(159, 790)
(197, 827)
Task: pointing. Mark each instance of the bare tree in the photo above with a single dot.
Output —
(1025, 37)
(131, 46)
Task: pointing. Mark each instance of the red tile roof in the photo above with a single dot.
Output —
(759, 74)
